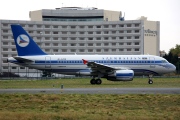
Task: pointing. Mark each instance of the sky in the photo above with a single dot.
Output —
(165, 11)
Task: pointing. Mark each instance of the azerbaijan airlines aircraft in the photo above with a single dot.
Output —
(111, 67)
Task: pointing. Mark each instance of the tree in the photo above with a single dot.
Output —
(173, 55)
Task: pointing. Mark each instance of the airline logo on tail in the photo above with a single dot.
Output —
(22, 40)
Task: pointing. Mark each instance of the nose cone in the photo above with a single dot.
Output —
(172, 68)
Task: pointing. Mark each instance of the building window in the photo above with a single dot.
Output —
(81, 33)
(55, 44)
(121, 49)
(90, 26)
(113, 32)
(90, 32)
(55, 38)
(136, 49)
(30, 26)
(73, 33)
(136, 37)
(128, 49)
(64, 26)
(5, 43)
(98, 26)
(121, 37)
(55, 26)
(106, 44)
(98, 32)
(128, 43)
(90, 44)
(129, 37)
(113, 38)
(81, 27)
(106, 32)
(136, 31)
(90, 50)
(47, 32)
(72, 44)
(98, 50)
(128, 31)
(113, 50)
(64, 38)
(106, 26)
(5, 25)
(81, 38)
(121, 31)
(73, 50)
(47, 50)
(98, 44)
(64, 33)
(106, 50)
(55, 50)
(136, 43)
(98, 38)
(55, 32)
(81, 50)
(73, 38)
(64, 44)
(5, 55)
(5, 49)
(121, 25)
(5, 67)
(47, 26)
(73, 27)
(90, 38)
(47, 38)
(113, 44)
(113, 26)
(128, 25)
(81, 44)
(136, 25)
(106, 38)
(47, 44)
(5, 37)
(121, 43)
(64, 50)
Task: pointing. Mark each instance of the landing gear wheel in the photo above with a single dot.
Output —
(93, 81)
(98, 81)
(150, 82)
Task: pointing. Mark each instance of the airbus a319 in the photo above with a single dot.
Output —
(111, 67)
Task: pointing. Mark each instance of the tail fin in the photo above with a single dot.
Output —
(25, 45)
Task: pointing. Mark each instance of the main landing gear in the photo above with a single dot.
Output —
(150, 79)
(96, 81)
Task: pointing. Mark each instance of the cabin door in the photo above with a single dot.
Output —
(47, 62)
(152, 62)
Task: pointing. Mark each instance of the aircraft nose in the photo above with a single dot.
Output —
(172, 67)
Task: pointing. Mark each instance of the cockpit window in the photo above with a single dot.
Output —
(164, 61)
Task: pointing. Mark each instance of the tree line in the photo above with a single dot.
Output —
(172, 57)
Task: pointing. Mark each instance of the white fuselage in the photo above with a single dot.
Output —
(73, 64)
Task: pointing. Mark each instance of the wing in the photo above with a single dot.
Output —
(97, 67)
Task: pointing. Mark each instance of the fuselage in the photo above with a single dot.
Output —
(73, 64)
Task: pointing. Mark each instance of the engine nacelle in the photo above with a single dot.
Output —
(121, 75)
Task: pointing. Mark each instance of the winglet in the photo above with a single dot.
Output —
(85, 61)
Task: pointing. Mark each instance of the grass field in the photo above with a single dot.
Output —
(85, 83)
(88, 107)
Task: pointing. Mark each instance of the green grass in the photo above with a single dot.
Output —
(85, 83)
(88, 107)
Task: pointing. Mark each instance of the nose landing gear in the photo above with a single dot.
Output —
(150, 79)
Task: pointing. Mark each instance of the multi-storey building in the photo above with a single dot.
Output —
(74, 30)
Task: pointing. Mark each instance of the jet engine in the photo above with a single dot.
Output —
(121, 75)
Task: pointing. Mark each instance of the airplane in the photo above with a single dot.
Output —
(111, 67)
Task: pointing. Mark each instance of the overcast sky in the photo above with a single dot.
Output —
(165, 11)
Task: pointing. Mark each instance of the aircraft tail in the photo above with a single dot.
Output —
(25, 45)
